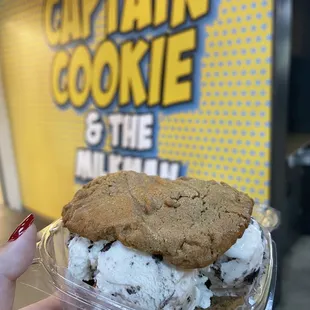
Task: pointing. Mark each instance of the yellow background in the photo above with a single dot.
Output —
(227, 138)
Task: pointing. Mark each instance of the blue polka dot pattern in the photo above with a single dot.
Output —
(227, 138)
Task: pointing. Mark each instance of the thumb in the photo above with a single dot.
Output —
(15, 257)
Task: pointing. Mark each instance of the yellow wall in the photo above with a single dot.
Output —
(226, 137)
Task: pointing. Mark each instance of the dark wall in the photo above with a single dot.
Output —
(299, 98)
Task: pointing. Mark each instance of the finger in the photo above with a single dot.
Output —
(50, 303)
(15, 257)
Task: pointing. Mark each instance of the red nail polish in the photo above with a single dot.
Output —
(22, 227)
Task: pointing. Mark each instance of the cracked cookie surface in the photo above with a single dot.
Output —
(189, 222)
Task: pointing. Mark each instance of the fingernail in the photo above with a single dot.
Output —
(22, 227)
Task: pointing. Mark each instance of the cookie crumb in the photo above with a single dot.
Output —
(249, 279)
(133, 290)
(107, 247)
(90, 282)
(158, 258)
(208, 284)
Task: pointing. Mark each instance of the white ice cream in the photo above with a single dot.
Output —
(239, 265)
(83, 257)
(79, 263)
(248, 254)
(94, 252)
(127, 275)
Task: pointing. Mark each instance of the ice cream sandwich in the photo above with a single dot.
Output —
(162, 244)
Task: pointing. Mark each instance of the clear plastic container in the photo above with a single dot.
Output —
(49, 273)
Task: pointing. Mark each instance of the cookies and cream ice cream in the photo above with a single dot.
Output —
(240, 265)
(127, 275)
(146, 281)
(162, 244)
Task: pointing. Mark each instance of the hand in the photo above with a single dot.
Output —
(15, 257)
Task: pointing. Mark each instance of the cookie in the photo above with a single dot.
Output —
(226, 303)
(189, 222)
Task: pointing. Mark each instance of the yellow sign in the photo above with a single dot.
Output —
(166, 87)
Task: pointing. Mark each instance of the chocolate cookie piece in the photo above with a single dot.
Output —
(187, 221)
